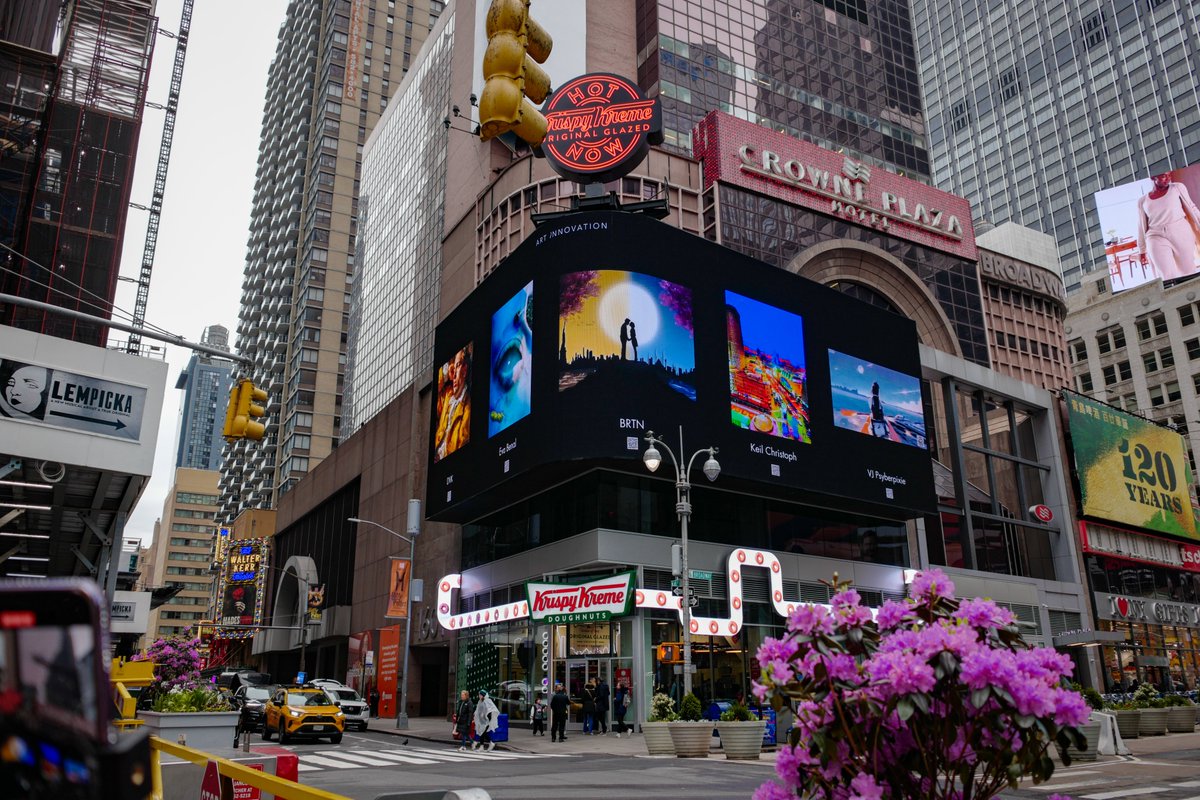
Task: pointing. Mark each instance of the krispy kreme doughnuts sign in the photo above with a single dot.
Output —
(594, 601)
(599, 127)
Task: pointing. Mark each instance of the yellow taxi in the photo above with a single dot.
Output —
(294, 711)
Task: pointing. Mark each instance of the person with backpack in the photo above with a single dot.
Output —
(538, 715)
(621, 701)
(589, 708)
(487, 720)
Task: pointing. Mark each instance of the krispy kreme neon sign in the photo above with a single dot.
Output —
(596, 600)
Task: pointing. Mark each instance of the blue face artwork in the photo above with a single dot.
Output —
(512, 362)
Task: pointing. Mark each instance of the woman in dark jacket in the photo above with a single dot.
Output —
(463, 713)
(589, 708)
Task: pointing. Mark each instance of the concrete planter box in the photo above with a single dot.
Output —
(742, 739)
(1152, 722)
(203, 730)
(658, 738)
(1127, 722)
(691, 739)
(1091, 732)
(1181, 719)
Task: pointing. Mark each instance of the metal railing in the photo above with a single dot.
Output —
(229, 772)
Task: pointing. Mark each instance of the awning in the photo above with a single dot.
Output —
(1088, 638)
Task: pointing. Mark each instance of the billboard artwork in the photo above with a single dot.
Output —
(876, 401)
(1151, 228)
(512, 362)
(48, 396)
(766, 369)
(1131, 471)
(397, 607)
(453, 404)
(237, 607)
(618, 327)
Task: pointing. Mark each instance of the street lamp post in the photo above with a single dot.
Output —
(683, 507)
(414, 520)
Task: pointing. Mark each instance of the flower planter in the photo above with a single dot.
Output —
(1127, 722)
(1152, 722)
(691, 739)
(203, 730)
(742, 739)
(1091, 732)
(1181, 719)
(658, 738)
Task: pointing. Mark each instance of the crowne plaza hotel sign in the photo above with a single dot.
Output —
(594, 601)
(740, 153)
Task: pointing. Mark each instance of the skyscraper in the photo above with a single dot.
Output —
(205, 384)
(331, 78)
(1034, 105)
(838, 73)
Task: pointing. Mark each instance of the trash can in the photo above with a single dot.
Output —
(501, 732)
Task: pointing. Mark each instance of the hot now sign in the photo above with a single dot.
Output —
(594, 601)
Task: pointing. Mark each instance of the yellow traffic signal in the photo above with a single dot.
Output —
(515, 43)
(231, 412)
(244, 408)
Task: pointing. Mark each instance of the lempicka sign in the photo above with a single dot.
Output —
(47, 396)
(594, 601)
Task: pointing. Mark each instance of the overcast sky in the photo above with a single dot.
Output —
(201, 252)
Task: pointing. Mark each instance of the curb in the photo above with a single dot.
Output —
(410, 734)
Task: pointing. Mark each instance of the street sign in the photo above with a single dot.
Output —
(693, 601)
(1042, 513)
(699, 575)
(210, 785)
(677, 591)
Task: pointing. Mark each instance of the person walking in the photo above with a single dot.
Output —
(620, 705)
(589, 707)
(462, 719)
(603, 695)
(538, 715)
(487, 719)
(560, 706)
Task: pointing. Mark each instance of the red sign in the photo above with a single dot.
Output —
(244, 791)
(1042, 513)
(605, 598)
(599, 127)
(1191, 557)
(210, 786)
(740, 153)
(389, 669)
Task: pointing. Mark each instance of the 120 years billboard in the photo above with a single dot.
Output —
(604, 326)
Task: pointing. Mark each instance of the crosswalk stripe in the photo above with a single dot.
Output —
(327, 762)
(1058, 787)
(1186, 785)
(356, 758)
(307, 768)
(392, 755)
(1124, 793)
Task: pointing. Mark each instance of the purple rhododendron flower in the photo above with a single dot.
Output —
(893, 615)
(864, 787)
(930, 584)
(980, 613)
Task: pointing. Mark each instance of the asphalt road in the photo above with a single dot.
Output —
(367, 765)
(1166, 774)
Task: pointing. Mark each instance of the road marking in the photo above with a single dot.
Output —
(356, 758)
(393, 755)
(1123, 793)
(1061, 786)
(328, 762)
(1186, 785)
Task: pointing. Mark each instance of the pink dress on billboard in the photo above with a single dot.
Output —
(1169, 232)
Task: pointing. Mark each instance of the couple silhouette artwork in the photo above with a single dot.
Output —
(629, 337)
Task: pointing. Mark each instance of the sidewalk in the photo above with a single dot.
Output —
(436, 729)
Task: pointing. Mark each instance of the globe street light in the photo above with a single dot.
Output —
(414, 517)
(683, 507)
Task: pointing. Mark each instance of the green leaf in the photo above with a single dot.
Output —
(980, 696)
(921, 702)
(904, 708)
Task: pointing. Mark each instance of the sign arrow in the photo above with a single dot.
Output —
(115, 423)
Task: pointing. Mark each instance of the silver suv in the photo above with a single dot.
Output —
(357, 712)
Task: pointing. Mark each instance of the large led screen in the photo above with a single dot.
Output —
(511, 391)
(1151, 228)
(635, 326)
(766, 368)
(621, 327)
(453, 415)
(876, 401)
(1131, 471)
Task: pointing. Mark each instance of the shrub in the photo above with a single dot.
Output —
(197, 698)
(737, 713)
(1090, 696)
(931, 697)
(662, 708)
(1145, 696)
(690, 709)
(176, 662)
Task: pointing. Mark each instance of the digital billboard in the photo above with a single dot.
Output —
(876, 401)
(1131, 471)
(1151, 228)
(511, 384)
(650, 328)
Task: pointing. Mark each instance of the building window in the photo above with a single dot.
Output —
(1193, 348)
(1085, 383)
(1129, 402)
(960, 115)
(1010, 84)
(1156, 396)
(1078, 351)
(1151, 326)
(1172, 391)
(1095, 31)
(1110, 339)
(1187, 315)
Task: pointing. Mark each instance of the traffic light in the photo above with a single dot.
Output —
(244, 408)
(512, 78)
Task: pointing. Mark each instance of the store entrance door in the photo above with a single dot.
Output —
(578, 672)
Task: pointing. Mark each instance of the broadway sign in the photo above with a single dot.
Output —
(594, 601)
(48, 396)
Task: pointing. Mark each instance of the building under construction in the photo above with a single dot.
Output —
(73, 77)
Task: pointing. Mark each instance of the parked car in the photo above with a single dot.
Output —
(251, 701)
(302, 711)
(357, 712)
(327, 683)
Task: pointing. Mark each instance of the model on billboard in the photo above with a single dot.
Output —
(600, 312)
(512, 361)
(1169, 229)
(876, 401)
(766, 369)
(23, 392)
(453, 405)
